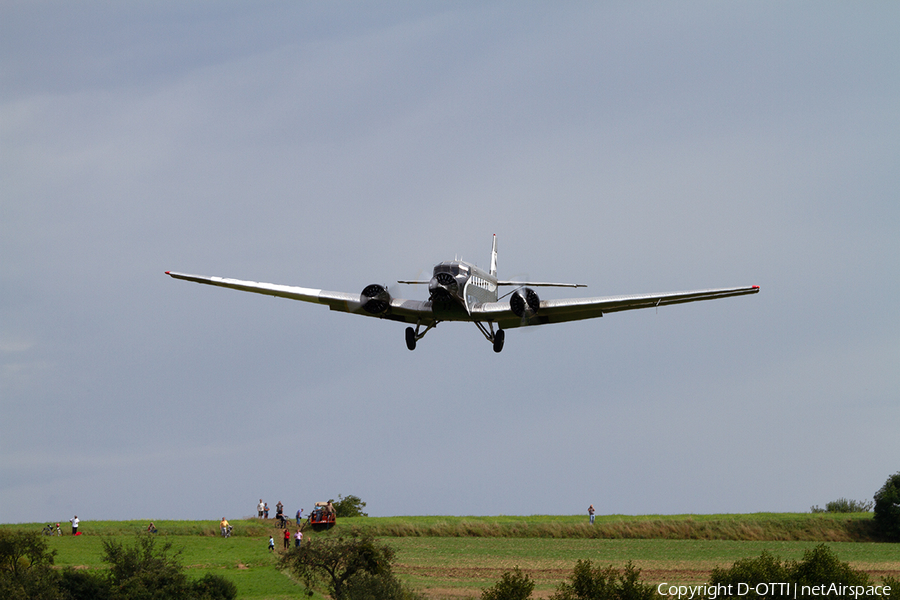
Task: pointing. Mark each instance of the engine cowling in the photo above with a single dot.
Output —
(375, 299)
(443, 287)
(524, 302)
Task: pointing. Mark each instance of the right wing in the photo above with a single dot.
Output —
(406, 311)
(575, 309)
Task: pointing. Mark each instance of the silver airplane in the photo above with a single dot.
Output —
(460, 291)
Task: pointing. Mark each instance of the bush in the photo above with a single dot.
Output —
(887, 508)
(384, 586)
(513, 585)
(765, 568)
(819, 566)
(894, 584)
(140, 571)
(84, 585)
(26, 567)
(214, 587)
(842, 505)
(588, 583)
(143, 570)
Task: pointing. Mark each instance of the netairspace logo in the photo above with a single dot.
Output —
(787, 590)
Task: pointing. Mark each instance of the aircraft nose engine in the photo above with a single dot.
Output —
(524, 302)
(375, 299)
(442, 287)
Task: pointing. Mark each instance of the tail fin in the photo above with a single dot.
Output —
(494, 257)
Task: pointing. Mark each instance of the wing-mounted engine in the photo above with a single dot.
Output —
(524, 303)
(375, 299)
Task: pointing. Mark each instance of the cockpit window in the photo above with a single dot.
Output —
(452, 268)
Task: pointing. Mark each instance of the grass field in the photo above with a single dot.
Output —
(456, 557)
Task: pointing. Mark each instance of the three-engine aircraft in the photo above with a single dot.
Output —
(460, 291)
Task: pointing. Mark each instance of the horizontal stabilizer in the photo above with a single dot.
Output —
(541, 284)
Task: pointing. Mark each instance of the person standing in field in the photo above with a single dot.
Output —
(591, 513)
(271, 543)
(260, 508)
(266, 510)
(299, 516)
(74, 521)
(279, 514)
(298, 538)
(223, 525)
(287, 538)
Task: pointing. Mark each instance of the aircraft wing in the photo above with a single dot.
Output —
(575, 309)
(406, 311)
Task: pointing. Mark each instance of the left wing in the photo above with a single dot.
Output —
(575, 309)
(406, 311)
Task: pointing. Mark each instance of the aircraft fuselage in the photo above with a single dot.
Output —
(459, 285)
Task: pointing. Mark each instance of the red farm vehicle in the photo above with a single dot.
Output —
(322, 516)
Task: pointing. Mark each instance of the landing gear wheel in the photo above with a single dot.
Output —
(411, 338)
(498, 340)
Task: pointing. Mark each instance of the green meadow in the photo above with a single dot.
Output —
(456, 557)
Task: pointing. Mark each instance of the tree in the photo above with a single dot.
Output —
(513, 585)
(887, 508)
(333, 561)
(351, 506)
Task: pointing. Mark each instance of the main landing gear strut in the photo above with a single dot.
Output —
(496, 338)
(413, 335)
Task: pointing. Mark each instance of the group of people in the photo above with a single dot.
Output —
(262, 512)
(298, 539)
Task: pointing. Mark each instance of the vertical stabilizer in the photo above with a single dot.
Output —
(494, 257)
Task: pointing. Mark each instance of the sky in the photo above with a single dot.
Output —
(634, 147)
